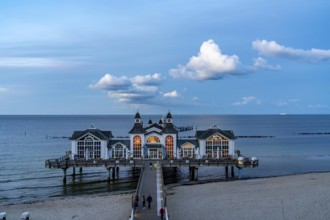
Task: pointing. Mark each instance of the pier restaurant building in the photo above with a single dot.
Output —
(156, 141)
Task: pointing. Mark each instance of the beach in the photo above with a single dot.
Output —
(304, 196)
(87, 207)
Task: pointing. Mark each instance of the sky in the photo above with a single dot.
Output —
(189, 57)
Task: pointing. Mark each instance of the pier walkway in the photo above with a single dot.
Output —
(151, 183)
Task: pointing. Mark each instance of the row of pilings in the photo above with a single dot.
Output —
(113, 174)
(193, 172)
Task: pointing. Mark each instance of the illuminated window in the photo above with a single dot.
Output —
(153, 139)
(187, 151)
(137, 144)
(169, 145)
(215, 146)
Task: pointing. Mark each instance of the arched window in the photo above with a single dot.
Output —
(216, 146)
(119, 151)
(137, 144)
(187, 151)
(169, 145)
(89, 148)
(212, 145)
(153, 139)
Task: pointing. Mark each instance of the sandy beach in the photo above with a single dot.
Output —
(305, 196)
(103, 207)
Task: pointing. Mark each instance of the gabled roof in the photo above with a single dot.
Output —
(169, 115)
(125, 142)
(211, 131)
(154, 125)
(156, 132)
(137, 129)
(102, 135)
(183, 141)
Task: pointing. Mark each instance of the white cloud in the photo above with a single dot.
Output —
(247, 100)
(209, 64)
(134, 90)
(172, 94)
(261, 63)
(272, 48)
(110, 82)
(285, 102)
(150, 79)
(35, 62)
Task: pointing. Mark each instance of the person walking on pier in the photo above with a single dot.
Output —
(144, 202)
(149, 200)
(162, 212)
(150, 165)
(136, 200)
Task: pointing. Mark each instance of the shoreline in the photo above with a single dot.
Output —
(233, 198)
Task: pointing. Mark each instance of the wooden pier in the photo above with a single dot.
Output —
(66, 162)
(151, 178)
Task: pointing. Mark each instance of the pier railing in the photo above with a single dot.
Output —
(137, 192)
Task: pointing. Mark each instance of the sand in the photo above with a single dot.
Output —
(305, 196)
(78, 208)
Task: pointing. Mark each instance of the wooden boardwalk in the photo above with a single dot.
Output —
(151, 183)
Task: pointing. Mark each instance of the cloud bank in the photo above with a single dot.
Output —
(272, 48)
(140, 89)
(209, 64)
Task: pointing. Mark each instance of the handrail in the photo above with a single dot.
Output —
(167, 217)
(131, 217)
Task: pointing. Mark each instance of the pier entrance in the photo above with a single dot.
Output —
(155, 153)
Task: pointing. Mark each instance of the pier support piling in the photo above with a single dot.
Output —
(73, 171)
(226, 170)
(64, 175)
(232, 171)
(108, 169)
(80, 170)
(196, 173)
(113, 172)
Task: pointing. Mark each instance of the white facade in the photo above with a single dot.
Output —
(156, 141)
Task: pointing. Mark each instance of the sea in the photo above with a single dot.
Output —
(284, 145)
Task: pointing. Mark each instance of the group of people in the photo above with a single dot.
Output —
(147, 200)
(144, 200)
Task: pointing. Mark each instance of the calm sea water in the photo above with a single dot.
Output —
(27, 141)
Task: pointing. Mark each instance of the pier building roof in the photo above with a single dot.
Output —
(191, 141)
(204, 134)
(102, 135)
(125, 142)
(137, 129)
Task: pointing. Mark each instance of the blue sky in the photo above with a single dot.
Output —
(192, 57)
